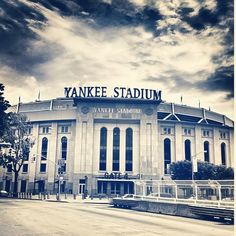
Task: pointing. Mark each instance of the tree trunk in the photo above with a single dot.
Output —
(15, 184)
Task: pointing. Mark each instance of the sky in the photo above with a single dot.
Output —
(184, 48)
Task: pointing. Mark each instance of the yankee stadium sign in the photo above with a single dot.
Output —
(118, 92)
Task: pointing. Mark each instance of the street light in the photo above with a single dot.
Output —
(194, 162)
(58, 165)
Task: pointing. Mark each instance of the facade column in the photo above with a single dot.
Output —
(52, 158)
(179, 153)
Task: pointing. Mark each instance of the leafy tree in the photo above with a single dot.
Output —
(17, 136)
(3, 115)
(182, 170)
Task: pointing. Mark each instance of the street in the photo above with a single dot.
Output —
(31, 217)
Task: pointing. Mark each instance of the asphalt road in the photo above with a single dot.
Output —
(28, 217)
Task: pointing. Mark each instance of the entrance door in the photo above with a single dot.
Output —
(41, 185)
(81, 188)
(23, 186)
(8, 185)
(115, 188)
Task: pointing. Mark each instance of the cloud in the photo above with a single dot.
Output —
(114, 43)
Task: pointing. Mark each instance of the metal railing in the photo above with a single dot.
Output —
(203, 192)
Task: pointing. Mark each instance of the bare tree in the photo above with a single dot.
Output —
(17, 134)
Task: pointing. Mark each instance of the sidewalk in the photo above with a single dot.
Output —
(70, 199)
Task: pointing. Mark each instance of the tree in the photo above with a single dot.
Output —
(182, 170)
(3, 115)
(17, 135)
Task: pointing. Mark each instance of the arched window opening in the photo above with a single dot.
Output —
(129, 150)
(223, 154)
(63, 148)
(167, 155)
(206, 151)
(103, 149)
(187, 147)
(116, 149)
(44, 149)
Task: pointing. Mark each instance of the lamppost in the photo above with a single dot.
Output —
(195, 170)
(194, 163)
(58, 165)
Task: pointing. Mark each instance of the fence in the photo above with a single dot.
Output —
(208, 192)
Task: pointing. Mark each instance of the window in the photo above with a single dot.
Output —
(187, 131)
(167, 155)
(116, 149)
(26, 154)
(29, 130)
(42, 167)
(206, 151)
(44, 149)
(187, 147)
(9, 168)
(207, 133)
(166, 130)
(223, 154)
(45, 130)
(103, 148)
(25, 168)
(63, 148)
(223, 135)
(64, 129)
(129, 150)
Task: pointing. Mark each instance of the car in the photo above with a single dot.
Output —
(128, 196)
(3, 193)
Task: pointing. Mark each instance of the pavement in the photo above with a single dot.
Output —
(69, 198)
(44, 218)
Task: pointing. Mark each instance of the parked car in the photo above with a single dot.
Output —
(3, 193)
(128, 196)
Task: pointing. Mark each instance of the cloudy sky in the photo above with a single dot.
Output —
(184, 48)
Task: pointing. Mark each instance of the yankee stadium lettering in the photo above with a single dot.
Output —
(118, 92)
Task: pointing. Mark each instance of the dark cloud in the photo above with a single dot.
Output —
(117, 13)
(16, 35)
(221, 80)
(206, 17)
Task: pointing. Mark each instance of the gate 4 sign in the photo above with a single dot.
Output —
(115, 175)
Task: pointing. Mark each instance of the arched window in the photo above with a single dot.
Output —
(223, 154)
(206, 151)
(187, 148)
(167, 155)
(129, 150)
(44, 150)
(103, 149)
(63, 148)
(116, 149)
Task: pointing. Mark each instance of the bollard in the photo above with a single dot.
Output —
(44, 196)
(30, 195)
(100, 197)
(48, 196)
(91, 196)
(65, 196)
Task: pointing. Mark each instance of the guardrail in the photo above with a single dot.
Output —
(216, 203)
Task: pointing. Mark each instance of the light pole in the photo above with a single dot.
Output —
(58, 165)
(194, 163)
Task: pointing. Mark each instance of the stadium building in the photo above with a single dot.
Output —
(102, 144)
